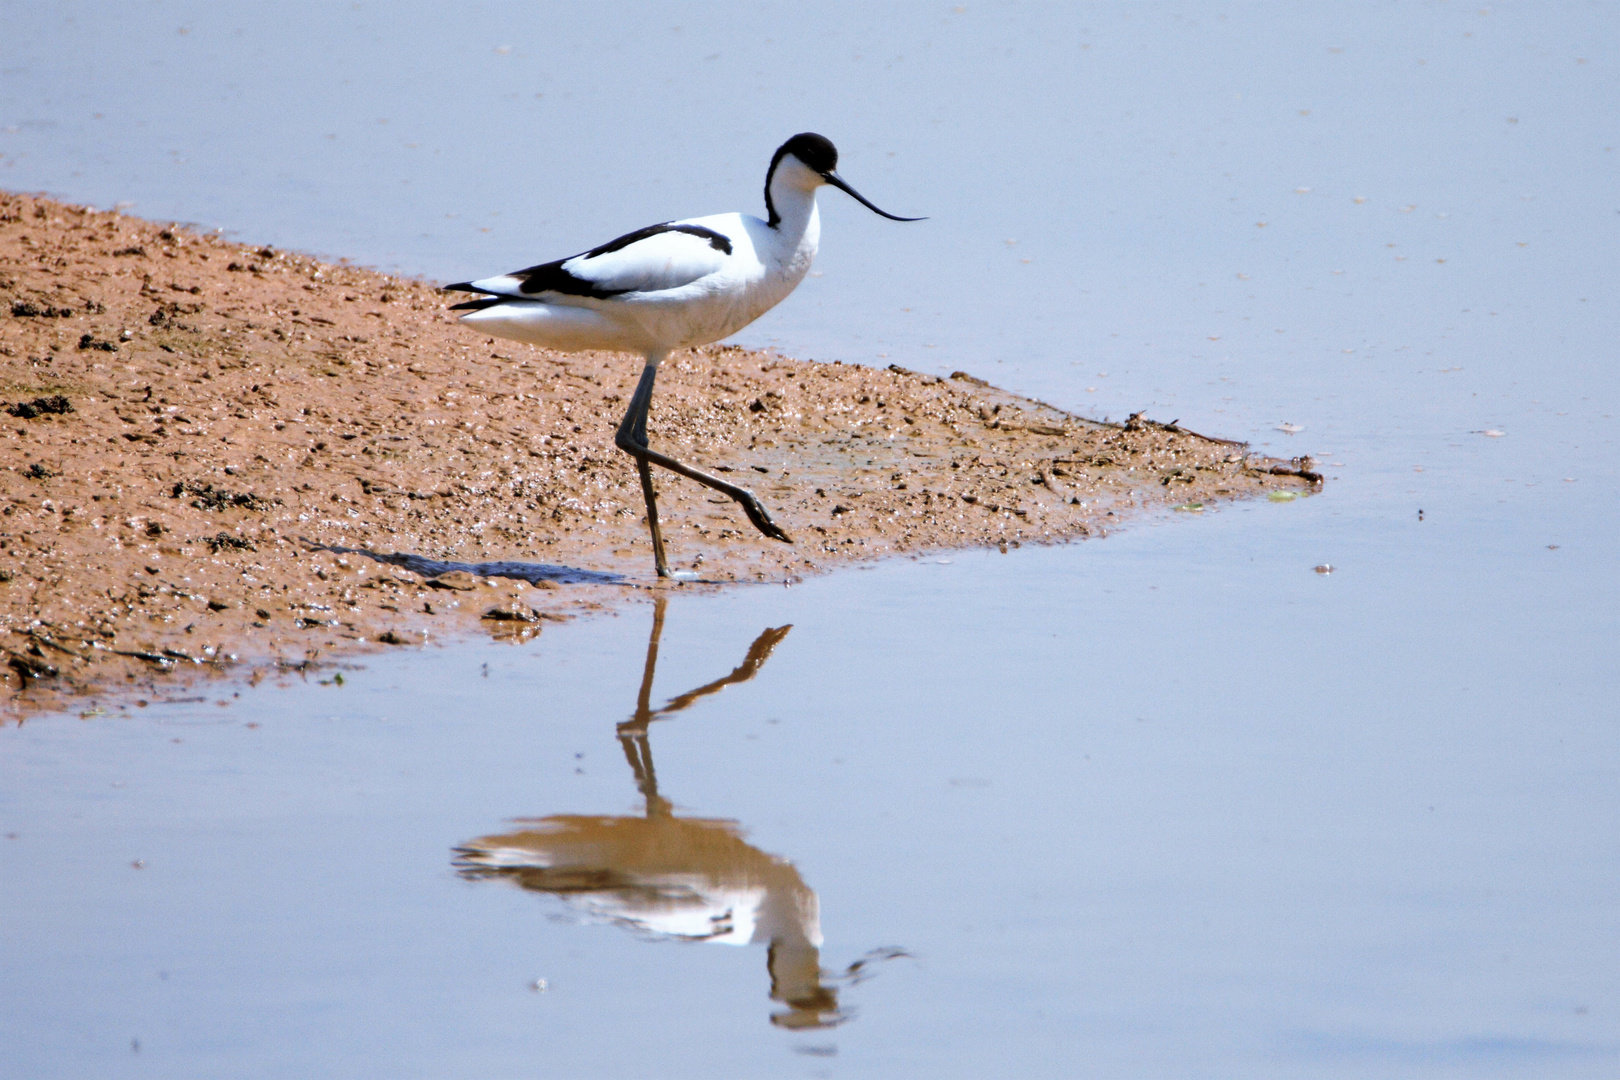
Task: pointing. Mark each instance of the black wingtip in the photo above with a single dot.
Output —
(462, 286)
(480, 304)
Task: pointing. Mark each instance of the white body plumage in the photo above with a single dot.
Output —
(674, 285)
(678, 289)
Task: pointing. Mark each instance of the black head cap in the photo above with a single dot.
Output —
(816, 151)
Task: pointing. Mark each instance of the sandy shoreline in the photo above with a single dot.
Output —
(220, 455)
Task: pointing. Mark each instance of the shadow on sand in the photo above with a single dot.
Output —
(533, 573)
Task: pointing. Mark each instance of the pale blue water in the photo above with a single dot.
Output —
(1165, 804)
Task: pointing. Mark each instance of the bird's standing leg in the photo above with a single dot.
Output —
(632, 439)
(651, 498)
(632, 435)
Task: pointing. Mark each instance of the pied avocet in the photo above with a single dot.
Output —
(672, 286)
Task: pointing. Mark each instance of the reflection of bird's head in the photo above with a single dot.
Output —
(796, 982)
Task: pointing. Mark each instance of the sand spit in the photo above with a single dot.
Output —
(222, 455)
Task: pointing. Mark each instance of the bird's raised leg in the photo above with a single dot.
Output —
(632, 439)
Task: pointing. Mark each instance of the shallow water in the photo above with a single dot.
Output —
(1169, 803)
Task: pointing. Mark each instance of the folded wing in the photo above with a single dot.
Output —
(653, 259)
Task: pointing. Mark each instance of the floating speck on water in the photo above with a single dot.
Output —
(1282, 496)
(1292, 429)
(1195, 507)
(1324, 568)
(539, 986)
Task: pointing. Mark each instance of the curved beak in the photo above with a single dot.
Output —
(838, 182)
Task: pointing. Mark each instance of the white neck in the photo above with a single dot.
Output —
(798, 223)
(799, 220)
(792, 195)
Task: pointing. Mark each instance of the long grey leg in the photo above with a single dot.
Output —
(639, 434)
(651, 498)
(635, 423)
(632, 439)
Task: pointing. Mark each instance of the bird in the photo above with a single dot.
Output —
(672, 286)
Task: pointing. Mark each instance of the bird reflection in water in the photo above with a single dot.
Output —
(693, 879)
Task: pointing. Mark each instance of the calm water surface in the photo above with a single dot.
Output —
(1165, 804)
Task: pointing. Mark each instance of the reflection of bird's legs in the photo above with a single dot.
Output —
(638, 752)
(632, 439)
(758, 653)
(650, 667)
(633, 732)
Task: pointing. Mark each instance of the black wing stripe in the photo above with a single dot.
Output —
(718, 241)
(551, 277)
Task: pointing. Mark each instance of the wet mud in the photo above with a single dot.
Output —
(221, 456)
